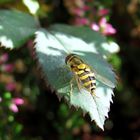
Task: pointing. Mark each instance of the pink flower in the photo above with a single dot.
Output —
(13, 107)
(3, 58)
(86, 8)
(106, 28)
(95, 27)
(78, 12)
(7, 67)
(18, 101)
(103, 12)
(109, 30)
(10, 86)
(81, 21)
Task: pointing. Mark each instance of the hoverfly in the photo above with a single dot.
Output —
(84, 75)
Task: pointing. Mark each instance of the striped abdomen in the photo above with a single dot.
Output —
(86, 78)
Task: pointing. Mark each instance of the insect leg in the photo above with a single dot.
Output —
(71, 85)
(93, 93)
(78, 83)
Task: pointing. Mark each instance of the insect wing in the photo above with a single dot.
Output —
(104, 80)
(79, 85)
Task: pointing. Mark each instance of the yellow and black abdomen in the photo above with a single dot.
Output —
(86, 78)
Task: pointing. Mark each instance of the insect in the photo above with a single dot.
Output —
(84, 75)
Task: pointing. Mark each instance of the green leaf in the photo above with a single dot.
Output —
(16, 28)
(92, 38)
(52, 47)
